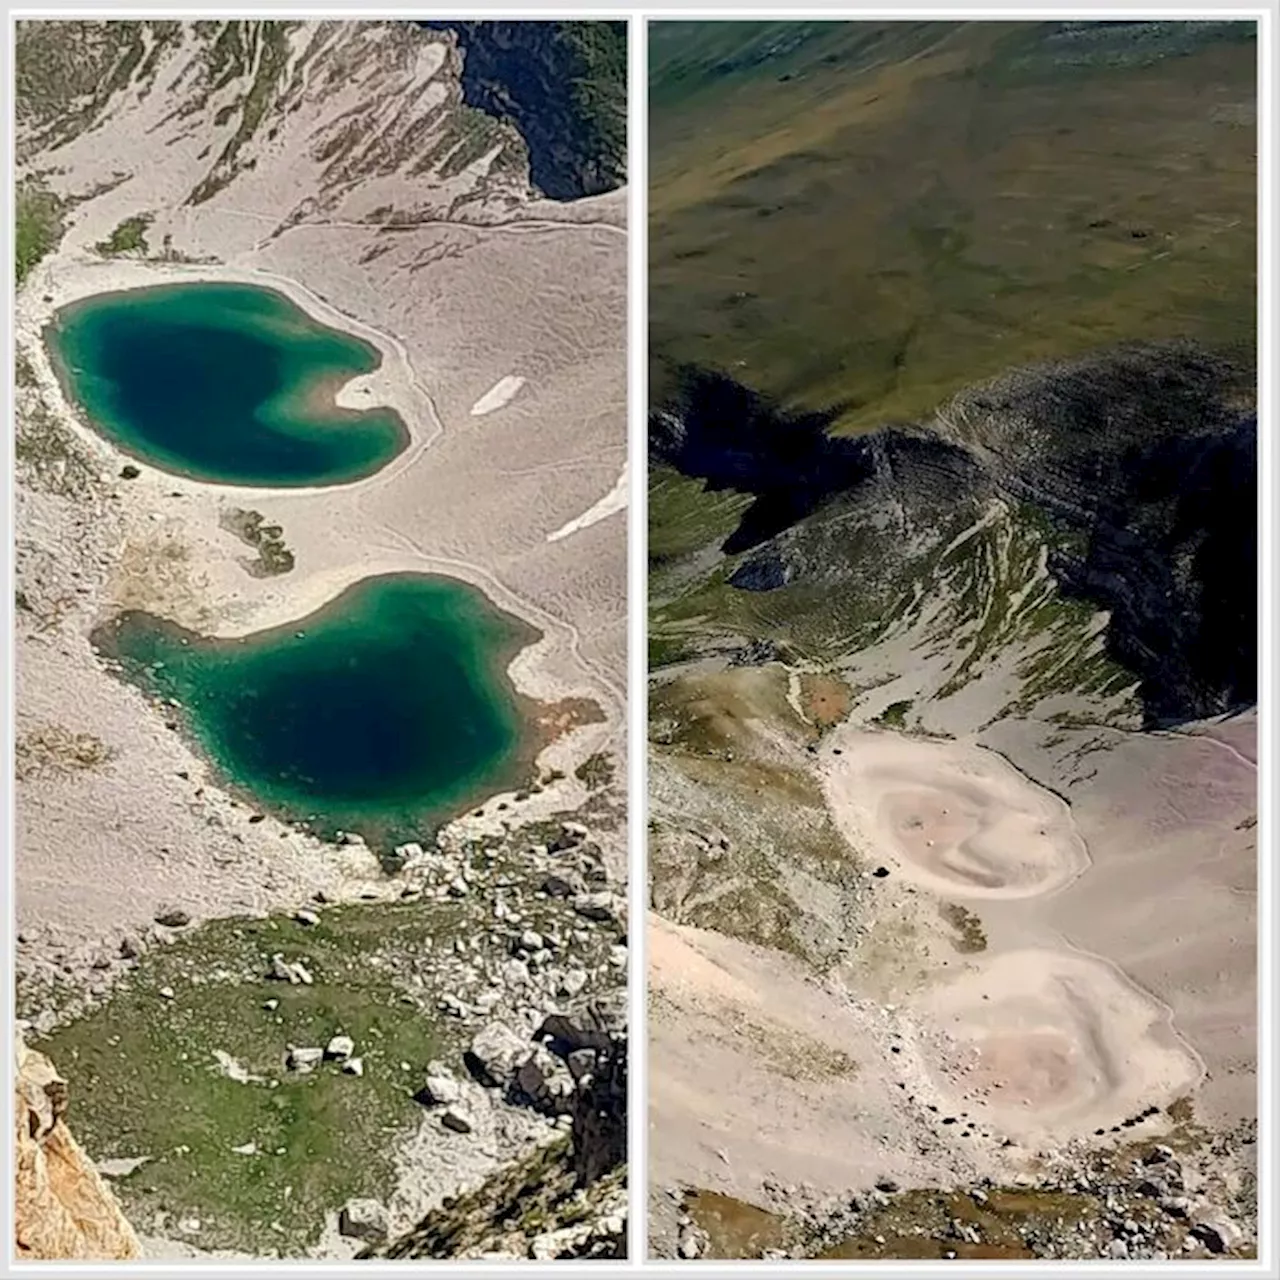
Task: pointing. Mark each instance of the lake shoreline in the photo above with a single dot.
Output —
(159, 545)
(335, 399)
(516, 770)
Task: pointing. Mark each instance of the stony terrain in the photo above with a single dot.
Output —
(444, 1025)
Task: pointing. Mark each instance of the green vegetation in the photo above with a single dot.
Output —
(875, 215)
(274, 557)
(596, 771)
(747, 823)
(129, 237)
(149, 1082)
(894, 716)
(971, 937)
(54, 749)
(65, 73)
(472, 133)
(598, 88)
(241, 47)
(37, 226)
(563, 85)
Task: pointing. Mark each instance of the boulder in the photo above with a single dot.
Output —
(340, 1048)
(363, 1220)
(458, 1119)
(439, 1091)
(303, 1060)
(495, 1053)
(601, 906)
(172, 917)
(1218, 1234)
(571, 835)
(296, 973)
(563, 884)
(572, 982)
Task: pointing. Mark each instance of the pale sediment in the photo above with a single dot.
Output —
(952, 817)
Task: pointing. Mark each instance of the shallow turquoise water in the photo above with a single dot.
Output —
(231, 384)
(386, 713)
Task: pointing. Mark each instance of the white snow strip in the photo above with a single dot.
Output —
(499, 394)
(614, 500)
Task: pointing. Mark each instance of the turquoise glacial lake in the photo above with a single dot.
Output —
(387, 713)
(225, 383)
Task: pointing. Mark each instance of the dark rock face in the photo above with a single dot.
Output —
(563, 84)
(600, 1114)
(1140, 463)
(1146, 460)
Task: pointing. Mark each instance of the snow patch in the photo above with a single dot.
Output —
(502, 392)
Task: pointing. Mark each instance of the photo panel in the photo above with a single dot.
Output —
(952, 634)
(320, 639)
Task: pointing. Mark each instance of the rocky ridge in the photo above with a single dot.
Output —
(1118, 465)
(62, 1207)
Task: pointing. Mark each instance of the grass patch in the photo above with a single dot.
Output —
(596, 771)
(37, 226)
(273, 557)
(894, 716)
(52, 749)
(876, 215)
(666, 651)
(144, 1079)
(970, 936)
(129, 237)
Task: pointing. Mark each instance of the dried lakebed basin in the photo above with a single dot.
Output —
(224, 383)
(1047, 1044)
(386, 713)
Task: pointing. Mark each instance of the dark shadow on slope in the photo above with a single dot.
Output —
(563, 85)
(1140, 463)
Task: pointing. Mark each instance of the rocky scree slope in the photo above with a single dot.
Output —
(1134, 468)
(361, 121)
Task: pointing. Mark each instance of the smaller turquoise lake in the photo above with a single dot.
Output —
(387, 713)
(229, 384)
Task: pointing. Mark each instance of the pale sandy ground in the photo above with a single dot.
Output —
(761, 1072)
(1118, 973)
(1054, 1012)
(1171, 896)
(524, 289)
(952, 819)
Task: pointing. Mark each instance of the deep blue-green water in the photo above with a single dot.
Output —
(386, 713)
(231, 384)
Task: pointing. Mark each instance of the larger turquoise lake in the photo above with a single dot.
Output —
(387, 713)
(230, 384)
